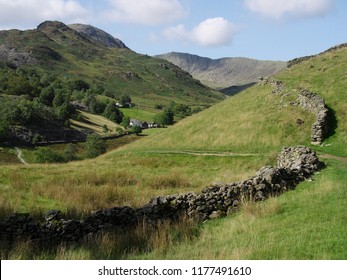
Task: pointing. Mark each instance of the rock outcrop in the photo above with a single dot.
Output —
(16, 57)
(97, 35)
(294, 164)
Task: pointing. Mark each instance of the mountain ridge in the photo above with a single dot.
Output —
(224, 72)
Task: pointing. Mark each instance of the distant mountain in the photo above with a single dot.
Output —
(98, 35)
(224, 72)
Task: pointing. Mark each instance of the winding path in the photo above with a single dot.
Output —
(203, 153)
(342, 159)
(20, 156)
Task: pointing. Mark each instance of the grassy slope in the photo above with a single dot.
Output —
(251, 122)
(325, 75)
(95, 123)
(309, 223)
(63, 52)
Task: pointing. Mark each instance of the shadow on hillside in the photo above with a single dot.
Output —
(230, 91)
(332, 122)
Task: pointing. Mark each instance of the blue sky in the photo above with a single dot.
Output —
(262, 29)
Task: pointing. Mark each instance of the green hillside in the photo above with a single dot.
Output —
(227, 142)
(58, 49)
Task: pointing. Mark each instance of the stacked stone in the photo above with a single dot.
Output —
(18, 225)
(315, 104)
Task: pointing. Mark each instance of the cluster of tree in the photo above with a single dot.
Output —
(28, 97)
(172, 112)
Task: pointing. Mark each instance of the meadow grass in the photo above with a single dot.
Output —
(116, 179)
(139, 114)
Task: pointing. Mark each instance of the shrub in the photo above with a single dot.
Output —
(47, 155)
(95, 146)
(136, 129)
(70, 152)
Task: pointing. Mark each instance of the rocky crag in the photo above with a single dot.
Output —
(97, 35)
(294, 165)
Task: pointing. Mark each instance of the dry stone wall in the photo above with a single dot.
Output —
(295, 61)
(310, 102)
(294, 164)
(315, 104)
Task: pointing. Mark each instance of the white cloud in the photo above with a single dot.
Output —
(24, 13)
(212, 32)
(148, 12)
(289, 9)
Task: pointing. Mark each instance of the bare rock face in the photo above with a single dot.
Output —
(15, 57)
(97, 35)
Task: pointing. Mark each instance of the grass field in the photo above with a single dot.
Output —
(96, 123)
(227, 142)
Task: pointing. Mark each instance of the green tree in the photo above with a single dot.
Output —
(95, 145)
(136, 129)
(64, 111)
(95, 106)
(113, 113)
(4, 130)
(59, 99)
(18, 85)
(125, 99)
(47, 96)
(25, 112)
(165, 118)
(181, 111)
(79, 85)
(125, 122)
